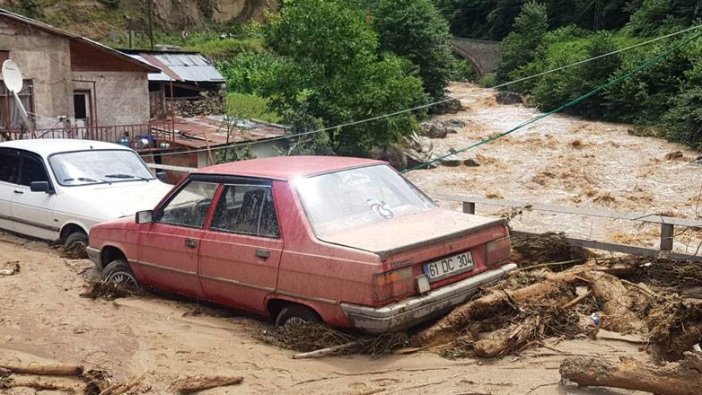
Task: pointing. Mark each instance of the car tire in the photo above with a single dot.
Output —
(76, 243)
(296, 314)
(119, 272)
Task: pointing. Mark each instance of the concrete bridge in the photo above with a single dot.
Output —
(483, 54)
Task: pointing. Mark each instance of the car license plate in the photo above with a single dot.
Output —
(448, 266)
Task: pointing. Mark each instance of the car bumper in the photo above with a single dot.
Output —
(94, 255)
(412, 311)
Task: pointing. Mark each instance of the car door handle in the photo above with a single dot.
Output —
(190, 243)
(261, 253)
(17, 191)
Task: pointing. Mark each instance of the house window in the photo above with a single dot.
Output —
(10, 116)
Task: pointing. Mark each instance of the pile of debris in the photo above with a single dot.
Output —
(657, 302)
(313, 340)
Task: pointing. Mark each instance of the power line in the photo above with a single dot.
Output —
(424, 106)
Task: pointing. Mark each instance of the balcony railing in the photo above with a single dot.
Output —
(154, 134)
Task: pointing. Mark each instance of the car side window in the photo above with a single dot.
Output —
(248, 210)
(33, 169)
(190, 205)
(9, 166)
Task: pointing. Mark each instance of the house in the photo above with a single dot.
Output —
(202, 141)
(187, 80)
(101, 92)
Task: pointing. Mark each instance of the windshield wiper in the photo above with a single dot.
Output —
(124, 176)
(84, 179)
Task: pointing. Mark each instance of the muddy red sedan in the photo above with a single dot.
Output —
(346, 241)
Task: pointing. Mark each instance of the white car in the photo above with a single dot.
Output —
(57, 189)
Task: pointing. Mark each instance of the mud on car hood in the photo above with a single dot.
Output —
(410, 231)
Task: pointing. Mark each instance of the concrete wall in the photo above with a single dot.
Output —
(122, 97)
(46, 60)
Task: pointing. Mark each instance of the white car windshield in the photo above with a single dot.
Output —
(343, 200)
(97, 167)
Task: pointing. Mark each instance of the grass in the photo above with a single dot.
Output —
(242, 105)
(222, 49)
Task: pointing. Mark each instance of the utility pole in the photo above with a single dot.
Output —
(151, 23)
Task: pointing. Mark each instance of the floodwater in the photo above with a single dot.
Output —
(566, 161)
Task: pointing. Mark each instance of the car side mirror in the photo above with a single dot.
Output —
(144, 217)
(40, 186)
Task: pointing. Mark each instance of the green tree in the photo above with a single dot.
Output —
(415, 30)
(330, 73)
(525, 43)
(655, 17)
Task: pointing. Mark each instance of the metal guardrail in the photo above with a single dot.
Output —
(667, 224)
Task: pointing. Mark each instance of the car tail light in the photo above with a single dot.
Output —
(497, 251)
(390, 285)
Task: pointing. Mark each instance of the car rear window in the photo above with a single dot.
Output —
(343, 200)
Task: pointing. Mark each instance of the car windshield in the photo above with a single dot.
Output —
(98, 166)
(347, 199)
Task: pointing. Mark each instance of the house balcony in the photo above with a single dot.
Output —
(153, 135)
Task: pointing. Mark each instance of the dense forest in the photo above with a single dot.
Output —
(323, 63)
(662, 99)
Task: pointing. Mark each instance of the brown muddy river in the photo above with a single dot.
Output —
(566, 161)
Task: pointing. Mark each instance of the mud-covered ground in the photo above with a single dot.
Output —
(158, 339)
(566, 161)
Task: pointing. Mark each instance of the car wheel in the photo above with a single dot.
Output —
(295, 314)
(118, 272)
(76, 243)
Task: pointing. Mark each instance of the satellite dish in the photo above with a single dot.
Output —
(12, 76)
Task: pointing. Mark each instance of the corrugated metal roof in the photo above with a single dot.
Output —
(187, 67)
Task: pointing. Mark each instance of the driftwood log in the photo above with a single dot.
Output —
(682, 378)
(41, 384)
(604, 286)
(44, 370)
(189, 385)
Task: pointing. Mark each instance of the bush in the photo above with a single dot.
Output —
(247, 106)
(249, 72)
(683, 122)
(226, 48)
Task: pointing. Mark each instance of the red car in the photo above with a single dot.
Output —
(346, 241)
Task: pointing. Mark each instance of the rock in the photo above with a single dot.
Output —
(434, 129)
(457, 123)
(504, 97)
(451, 131)
(674, 155)
(451, 106)
(393, 154)
(451, 161)
(470, 163)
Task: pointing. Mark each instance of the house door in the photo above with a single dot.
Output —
(81, 108)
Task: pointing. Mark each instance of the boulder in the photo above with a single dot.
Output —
(470, 163)
(504, 97)
(434, 129)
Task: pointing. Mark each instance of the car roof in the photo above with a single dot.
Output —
(46, 147)
(288, 167)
